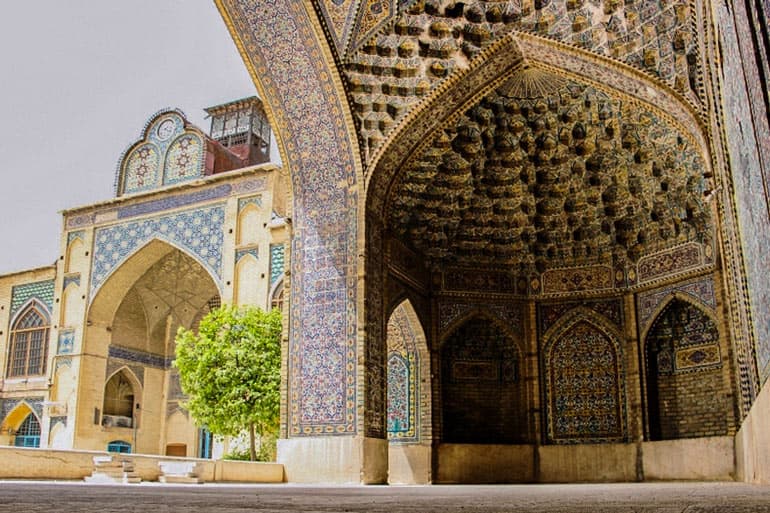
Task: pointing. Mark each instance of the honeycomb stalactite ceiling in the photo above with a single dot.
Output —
(547, 172)
(429, 40)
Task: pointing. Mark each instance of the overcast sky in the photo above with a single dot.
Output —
(78, 80)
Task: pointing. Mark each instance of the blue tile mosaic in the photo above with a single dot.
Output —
(70, 279)
(280, 41)
(276, 262)
(248, 251)
(40, 290)
(136, 356)
(245, 202)
(66, 342)
(77, 234)
(175, 201)
(199, 232)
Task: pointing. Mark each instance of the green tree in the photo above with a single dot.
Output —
(231, 371)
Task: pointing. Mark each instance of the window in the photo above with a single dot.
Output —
(29, 344)
(277, 301)
(119, 446)
(28, 434)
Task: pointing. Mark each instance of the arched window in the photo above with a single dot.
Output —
(29, 344)
(28, 434)
(118, 401)
(277, 299)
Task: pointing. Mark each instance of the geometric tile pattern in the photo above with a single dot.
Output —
(549, 314)
(199, 232)
(748, 140)
(648, 302)
(248, 251)
(141, 169)
(168, 153)
(244, 202)
(183, 159)
(40, 290)
(276, 262)
(584, 387)
(78, 234)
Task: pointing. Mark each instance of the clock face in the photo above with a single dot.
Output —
(166, 129)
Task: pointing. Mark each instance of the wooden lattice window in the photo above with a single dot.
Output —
(29, 344)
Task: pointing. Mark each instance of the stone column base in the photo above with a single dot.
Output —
(334, 459)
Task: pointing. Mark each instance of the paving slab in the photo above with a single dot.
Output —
(26, 496)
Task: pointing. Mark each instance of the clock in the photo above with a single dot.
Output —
(166, 129)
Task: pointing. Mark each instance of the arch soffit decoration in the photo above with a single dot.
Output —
(17, 415)
(581, 314)
(106, 299)
(405, 297)
(479, 313)
(278, 115)
(677, 296)
(496, 64)
(421, 341)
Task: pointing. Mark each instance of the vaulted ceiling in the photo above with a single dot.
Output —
(547, 172)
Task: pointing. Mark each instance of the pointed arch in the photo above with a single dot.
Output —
(29, 341)
(507, 56)
(408, 371)
(75, 257)
(247, 228)
(107, 296)
(685, 393)
(276, 295)
(246, 291)
(184, 158)
(584, 388)
(480, 312)
(16, 416)
(69, 307)
(677, 295)
(122, 391)
(483, 395)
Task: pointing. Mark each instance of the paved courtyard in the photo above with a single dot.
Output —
(26, 496)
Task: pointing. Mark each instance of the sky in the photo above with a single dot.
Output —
(78, 81)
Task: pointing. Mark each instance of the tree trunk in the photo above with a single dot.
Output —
(252, 443)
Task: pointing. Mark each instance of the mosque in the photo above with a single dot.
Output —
(520, 241)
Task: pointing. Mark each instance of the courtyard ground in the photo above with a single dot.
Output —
(29, 496)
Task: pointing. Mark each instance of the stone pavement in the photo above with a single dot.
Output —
(28, 496)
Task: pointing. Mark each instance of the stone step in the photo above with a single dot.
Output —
(179, 479)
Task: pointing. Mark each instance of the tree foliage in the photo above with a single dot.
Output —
(231, 370)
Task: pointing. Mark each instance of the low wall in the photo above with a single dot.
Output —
(752, 443)
(696, 459)
(587, 463)
(22, 463)
(479, 463)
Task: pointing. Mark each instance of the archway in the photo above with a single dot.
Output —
(684, 383)
(132, 323)
(482, 397)
(409, 398)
